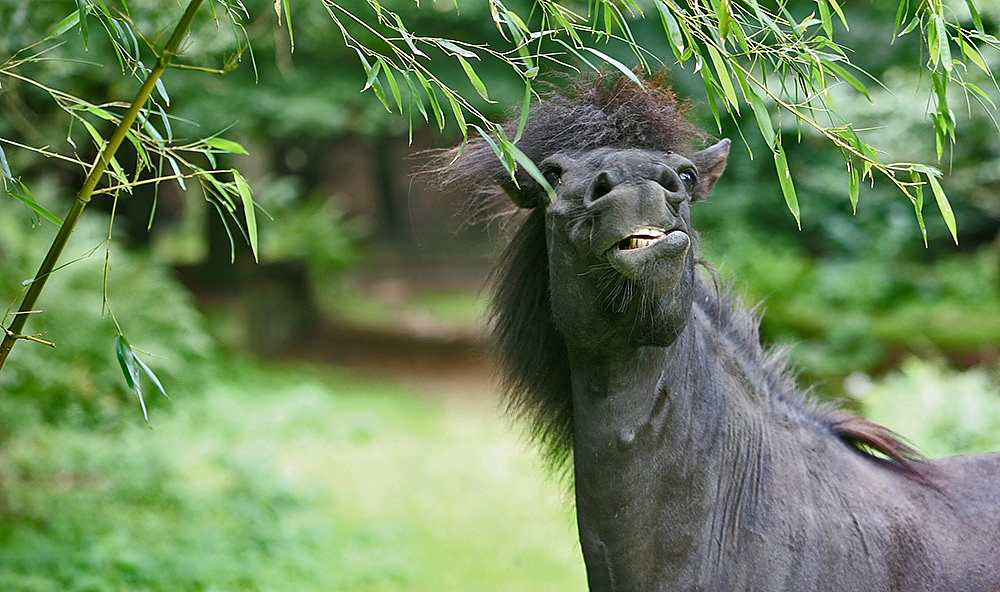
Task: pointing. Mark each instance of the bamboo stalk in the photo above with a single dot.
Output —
(15, 332)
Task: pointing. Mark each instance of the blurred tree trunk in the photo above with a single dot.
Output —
(391, 217)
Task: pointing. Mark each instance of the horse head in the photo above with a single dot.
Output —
(620, 243)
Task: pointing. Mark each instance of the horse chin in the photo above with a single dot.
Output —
(657, 266)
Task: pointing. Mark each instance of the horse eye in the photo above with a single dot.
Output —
(552, 174)
(689, 178)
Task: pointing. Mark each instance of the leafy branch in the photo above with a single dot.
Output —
(133, 122)
(748, 56)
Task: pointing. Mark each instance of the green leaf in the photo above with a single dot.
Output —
(246, 196)
(394, 88)
(456, 109)
(21, 192)
(785, 181)
(946, 60)
(840, 13)
(177, 171)
(854, 186)
(65, 25)
(477, 83)
(723, 17)
(225, 145)
(846, 76)
(130, 369)
(976, 18)
(525, 109)
(455, 49)
(288, 19)
(151, 375)
(763, 118)
(84, 9)
(432, 98)
(825, 17)
(4, 166)
(918, 202)
(728, 90)
(620, 66)
(415, 98)
(673, 30)
(161, 89)
(102, 113)
(945, 206)
(970, 52)
(529, 166)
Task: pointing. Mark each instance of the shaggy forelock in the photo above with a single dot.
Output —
(609, 110)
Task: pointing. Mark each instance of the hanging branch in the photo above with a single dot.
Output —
(14, 332)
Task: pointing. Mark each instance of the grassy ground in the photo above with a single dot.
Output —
(287, 480)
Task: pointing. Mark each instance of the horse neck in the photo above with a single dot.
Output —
(668, 451)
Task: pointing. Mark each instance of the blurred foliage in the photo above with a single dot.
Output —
(80, 380)
(841, 287)
(284, 479)
(942, 412)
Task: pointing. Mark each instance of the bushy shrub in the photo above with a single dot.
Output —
(941, 411)
(81, 377)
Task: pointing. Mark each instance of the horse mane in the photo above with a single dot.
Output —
(609, 110)
(742, 327)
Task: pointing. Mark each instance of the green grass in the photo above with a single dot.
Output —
(285, 480)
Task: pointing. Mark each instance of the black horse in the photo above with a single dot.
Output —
(697, 463)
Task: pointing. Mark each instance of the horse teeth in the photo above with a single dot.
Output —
(640, 243)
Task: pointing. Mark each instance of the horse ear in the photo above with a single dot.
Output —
(710, 162)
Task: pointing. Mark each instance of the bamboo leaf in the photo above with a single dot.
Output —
(846, 76)
(72, 20)
(246, 196)
(161, 89)
(21, 192)
(763, 118)
(673, 30)
(728, 90)
(840, 13)
(151, 375)
(288, 20)
(976, 18)
(945, 206)
(825, 17)
(620, 66)
(970, 52)
(918, 203)
(390, 76)
(435, 104)
(415, 98)
(477, 83)
(455, 49)
(854, 189)
(84, 9)
(945, 50)
(130, 369)
(723, 16)
(4, 165)
(785, 181)
(225, 145)
(456, 109)
(177, 171)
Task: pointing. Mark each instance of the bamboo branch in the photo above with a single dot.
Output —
(16, 330)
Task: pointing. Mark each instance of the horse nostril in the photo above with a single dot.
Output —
(603, 185)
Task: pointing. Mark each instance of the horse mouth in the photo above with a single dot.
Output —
(650, 255)
(641, 239)
(664, 241)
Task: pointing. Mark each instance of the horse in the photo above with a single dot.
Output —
(697, 462)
